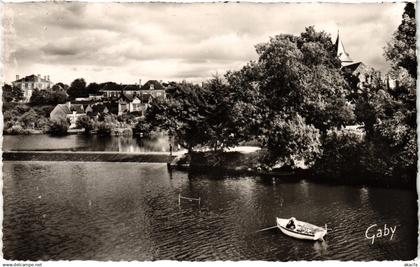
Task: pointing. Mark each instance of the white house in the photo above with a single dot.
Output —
(29, 83)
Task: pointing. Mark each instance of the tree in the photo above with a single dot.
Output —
(389, 114)
(58, 127)
(12, 93)
(182, 115)
(59, 87)
(78, 89)
(218, 123)
(84, 122)
(93, 88)
(292, 139)
(248, 103)
(46, 97)
(292, 96)
(302, 74)
(342, 155)
(142, 127)
(401, 50)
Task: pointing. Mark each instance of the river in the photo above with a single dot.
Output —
(129, 211)
(81, 142)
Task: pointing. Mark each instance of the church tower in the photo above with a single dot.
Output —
(341, 52)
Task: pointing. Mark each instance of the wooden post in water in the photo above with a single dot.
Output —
(188, 198)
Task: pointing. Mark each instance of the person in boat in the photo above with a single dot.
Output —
(291, 224)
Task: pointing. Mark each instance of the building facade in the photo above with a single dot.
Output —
(68, 111)
(29, 83)
(153, 89)
(130, 103)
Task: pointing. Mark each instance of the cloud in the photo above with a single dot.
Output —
(125, 41)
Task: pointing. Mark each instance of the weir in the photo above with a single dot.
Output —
(100, 156)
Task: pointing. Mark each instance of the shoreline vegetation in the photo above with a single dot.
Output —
(239, 164)
(295, 102)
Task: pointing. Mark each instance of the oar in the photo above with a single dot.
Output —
(268, 228)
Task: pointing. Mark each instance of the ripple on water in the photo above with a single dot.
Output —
(128, 211)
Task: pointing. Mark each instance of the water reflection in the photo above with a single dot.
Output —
(81, 142)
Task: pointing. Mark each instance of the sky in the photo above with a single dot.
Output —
(126, 42)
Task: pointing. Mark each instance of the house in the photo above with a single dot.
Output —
(29, 83)
(93, 110)
(68, 111)
(91, 97)
(113, 90)
(153, 89)
(131, 103)
(139, 100)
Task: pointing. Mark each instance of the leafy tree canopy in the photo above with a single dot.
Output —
(401, 50)
(78, 89)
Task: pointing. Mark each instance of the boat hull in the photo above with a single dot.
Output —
(313, 232)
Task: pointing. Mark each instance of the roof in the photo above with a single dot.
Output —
(154, 84)
(126, 97)
(341, 52)
(95, 109)
(32, 78)
(73, 107)
(354, 67)
(131, 87)
(120, 87)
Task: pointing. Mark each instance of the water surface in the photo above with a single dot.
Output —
(82, 142)
(130, 211)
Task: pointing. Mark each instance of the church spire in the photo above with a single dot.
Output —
(341, 52)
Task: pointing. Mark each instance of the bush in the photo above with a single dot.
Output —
(16, 130)
(44, 110)
(58, 127)
(104, 128)
(142, 127)
(341, 157)
(86, 123)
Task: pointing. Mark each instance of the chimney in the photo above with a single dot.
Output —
(48, 77)
(39, 78)
(139, 83)
(45, 77)
(17, 77)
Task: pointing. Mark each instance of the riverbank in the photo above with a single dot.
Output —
(240, 163)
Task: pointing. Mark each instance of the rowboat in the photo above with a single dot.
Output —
(301, 230)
